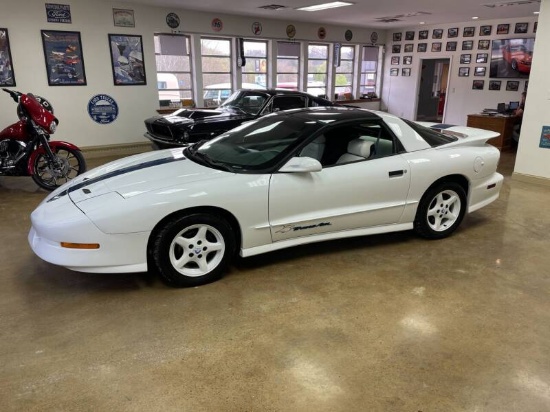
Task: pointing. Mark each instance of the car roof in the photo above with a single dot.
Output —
(331, 114)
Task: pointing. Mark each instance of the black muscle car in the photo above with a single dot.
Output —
(187, 126)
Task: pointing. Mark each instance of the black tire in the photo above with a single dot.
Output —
(70, 163)
(440, 211)
(210, 245)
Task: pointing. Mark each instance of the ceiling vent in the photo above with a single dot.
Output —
(511, 3)
(398, 17)
(272, 7)
(387, 20)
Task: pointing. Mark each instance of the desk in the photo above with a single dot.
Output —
(500, 124)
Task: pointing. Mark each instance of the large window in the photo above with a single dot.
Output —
(255, 69)
(173, 68)
(369, 66)
(344, 72)
(317, 66)
(216, 70)
(288, 65)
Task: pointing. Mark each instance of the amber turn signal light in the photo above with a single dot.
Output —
(70, 245)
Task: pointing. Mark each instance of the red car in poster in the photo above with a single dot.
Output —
(518, 56)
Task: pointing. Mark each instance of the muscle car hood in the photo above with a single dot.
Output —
(197, 116)
(138, 174)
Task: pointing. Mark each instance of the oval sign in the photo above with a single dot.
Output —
(373, 37)
(257, 28)
(290, 31)
(172, 20)
(322, 33)
(217, 24)
(103, 109)
(348, 35)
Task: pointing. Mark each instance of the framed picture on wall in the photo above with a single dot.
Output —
(437, 34)
(406, 71)
(483, 44)
(451, 46)
(423, 34)
(409, 48)
(494, 84)
(512, 86)
(127, 60)
(407, 60)
(485, 30)
(478, 84)
(394, 72)
(525, 86)
(396, 48)
(465, 58)
(394, 60)
(479, 71)
(482, 57)
(503, 28)
(64, 58)
(452, 32)
(422, 47)
(436, 47)
(7, 76)
(396, 36)
(521, 27)
(469, 32)
(467, 45)
(124, 18)
(463, 71)
(409, 35)
(535, 26)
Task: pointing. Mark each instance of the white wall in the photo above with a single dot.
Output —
(93, 19)
(399, 93)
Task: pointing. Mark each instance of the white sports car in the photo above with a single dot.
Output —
(290, 178)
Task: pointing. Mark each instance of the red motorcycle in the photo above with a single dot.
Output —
(26, 150)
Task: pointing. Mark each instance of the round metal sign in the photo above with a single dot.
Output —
(290, 31)
(217, 24)
(257, 28)
(348, 35)
(173, 20)
(373, 37)
(322, 33)
(103, 109)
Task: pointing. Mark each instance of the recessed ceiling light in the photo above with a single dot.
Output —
(536, 12)
(325, 6)
(422, 22)
(475, 18)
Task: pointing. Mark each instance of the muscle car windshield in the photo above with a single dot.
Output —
(250, 102)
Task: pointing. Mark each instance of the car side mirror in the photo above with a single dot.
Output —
(301, 165)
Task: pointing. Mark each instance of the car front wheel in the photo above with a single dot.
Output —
(440, 211)
(193, 250)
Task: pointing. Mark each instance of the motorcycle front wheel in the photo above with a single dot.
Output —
(68, 164)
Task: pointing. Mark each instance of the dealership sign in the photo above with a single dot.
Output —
(58, 13)
(103, 109)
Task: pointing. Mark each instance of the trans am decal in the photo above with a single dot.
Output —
(293, 228)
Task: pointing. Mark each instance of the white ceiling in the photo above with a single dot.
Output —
(364, 12)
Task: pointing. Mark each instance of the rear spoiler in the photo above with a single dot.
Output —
(466, 136)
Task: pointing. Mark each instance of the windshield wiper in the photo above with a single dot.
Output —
(207, 160)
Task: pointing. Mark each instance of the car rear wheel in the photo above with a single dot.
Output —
(193, 250)
(441, 210)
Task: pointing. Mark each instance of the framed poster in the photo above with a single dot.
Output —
(465, 58)
(503, 28)
(437, 34)
(409, 48)
(483, 44)
(396, 36)
(64, 58)
(409, 35)
(480, 71)
(482, 57)
(467, 45)
(478, 84)
(127, 60)
(124, 18)
(406, 72)
(463, 71)
(422, 34)
(407, 60)
(396, 48)
(452, 32)
(512, 85)
(7, 77)
(451, 46)
(468, 32)
(436, 47)
(394, 72)
(394, 60)
(422, 47)
(494, 84)
(521, 27)
(485, 30)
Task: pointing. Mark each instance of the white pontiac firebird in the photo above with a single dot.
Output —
(293, 177)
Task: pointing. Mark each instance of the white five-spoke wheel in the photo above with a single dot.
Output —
(440, 211)
(193, 250)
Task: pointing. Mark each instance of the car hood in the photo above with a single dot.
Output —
(139, 174)
(184, 117)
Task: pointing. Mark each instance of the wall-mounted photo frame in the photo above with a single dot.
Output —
(485, 30)
(127, 60)
(467, 45)
(64, 58)
(465, 58)
(436, 47)
(512, 85)
(503, 29)
(451, 46)
(7, 76)
(422, 47)
(437, 34)
(469, 32)
(408, 48)
(478, 84)
(406, 71)
(482, 57)
(423, 34)
(521, 28)
(452, 32)
(495, 84)
(124, 18)
(535, 26)
(394, 60)
(396, 36)
(396, 48)
(407, 60)
(483, 44)
(394, 72)
(463, 71)
(409, 35)
(525, 86)
(480, 71)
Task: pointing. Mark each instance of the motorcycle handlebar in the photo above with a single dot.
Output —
(14, 95)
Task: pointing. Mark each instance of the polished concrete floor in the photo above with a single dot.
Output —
(381, 323)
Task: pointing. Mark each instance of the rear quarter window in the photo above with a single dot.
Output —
(430, 136)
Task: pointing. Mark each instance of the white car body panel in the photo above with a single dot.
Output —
(119, 204)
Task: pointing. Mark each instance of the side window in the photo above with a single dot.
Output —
(383, 140)
(288, 102)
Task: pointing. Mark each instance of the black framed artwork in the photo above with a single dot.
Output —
(396, 36)
(465, 58)
(480, 71)
(408, 48)
(437, 34)
(127, 60)
(406, 71)
(512, 85)
(409, 35)
(478, 84)
(436, 47)
(422, 47)
(483, 44)
(396, 48)
(64, 58)
(468, 32)
(485, 30)
(395, 60)
(467, 45)
(7, 76)
(394, 72)
(495, 84)
(463, 71)
(451, 46)
(521, 27)
(482, 57)
(535, 26)
(503, 28)
(407, 60)
(423, 34)
(452, 32)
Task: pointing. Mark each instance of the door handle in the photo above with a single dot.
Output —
(396, 173)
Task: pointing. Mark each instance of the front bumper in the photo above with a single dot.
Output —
(164, 142)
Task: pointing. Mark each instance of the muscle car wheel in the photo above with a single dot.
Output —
(193, 250)
(440, 211)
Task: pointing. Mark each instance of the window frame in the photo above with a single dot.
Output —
(189, 56)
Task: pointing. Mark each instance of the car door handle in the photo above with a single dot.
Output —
(396, 173)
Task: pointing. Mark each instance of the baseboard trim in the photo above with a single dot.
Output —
(520, 177)
(125, 149)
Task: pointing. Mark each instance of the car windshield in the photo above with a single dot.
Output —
(249, 102)
(257, 145)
